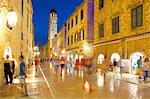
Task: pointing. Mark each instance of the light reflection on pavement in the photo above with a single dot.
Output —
(70, 86)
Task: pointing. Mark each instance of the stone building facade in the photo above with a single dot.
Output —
(20, 39)
(79, 30)
(122, 30)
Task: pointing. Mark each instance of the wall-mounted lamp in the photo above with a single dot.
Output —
(11, 17)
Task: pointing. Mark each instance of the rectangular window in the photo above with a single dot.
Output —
(101, 30)
(83, 35)
(21, 36)
(101, 4)
(22, 7)
(72, 39)
(68, 26)
(75, 38)
(137, 17)
(27, 42)
(115, 25)
(82, 15)
(77, 19)
(68, 40)
(79, 36)
(27, 20)
(72, 23)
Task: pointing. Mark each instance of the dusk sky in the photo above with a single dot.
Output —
(41, 8)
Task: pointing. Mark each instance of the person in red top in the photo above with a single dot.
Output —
(36, 63)
(77, 64)
(82, 63)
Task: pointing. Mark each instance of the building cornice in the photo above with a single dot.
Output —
(126, 38)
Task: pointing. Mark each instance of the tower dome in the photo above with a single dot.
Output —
(53, 11)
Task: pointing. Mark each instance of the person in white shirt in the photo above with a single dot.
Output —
(145, 68)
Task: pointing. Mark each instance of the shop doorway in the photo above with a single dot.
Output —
(115, 56)
(134, 57)
(100, 58)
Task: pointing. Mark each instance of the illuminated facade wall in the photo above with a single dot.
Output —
(80, 28)
(20, 38)
(59, 41)
(133, 35)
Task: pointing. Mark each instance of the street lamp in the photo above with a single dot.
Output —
(87, 48)
(11, 17)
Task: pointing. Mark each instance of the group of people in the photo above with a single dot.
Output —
(9, 70)
(143, 66)
(70, 65)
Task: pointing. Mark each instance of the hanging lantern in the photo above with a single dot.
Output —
(12, 19)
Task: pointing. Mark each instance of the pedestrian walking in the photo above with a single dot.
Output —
(36, 63)
(28, 63)
(115, 67)
(8, 70)
(139, 67)
(62, 64)
(13, 68)
(121, 66)
(69, 65)
(110, 66)
(77, 64)
(85, 69)
(56, 64)
(87, 84)
(82, 63)
(23, 74)
(105, 67)
(145, 68)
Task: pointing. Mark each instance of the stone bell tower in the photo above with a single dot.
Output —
(53, 19)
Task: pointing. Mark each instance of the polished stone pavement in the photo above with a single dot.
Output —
(45, 84)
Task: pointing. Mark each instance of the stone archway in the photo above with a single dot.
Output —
(134, 57)
(115, 56)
